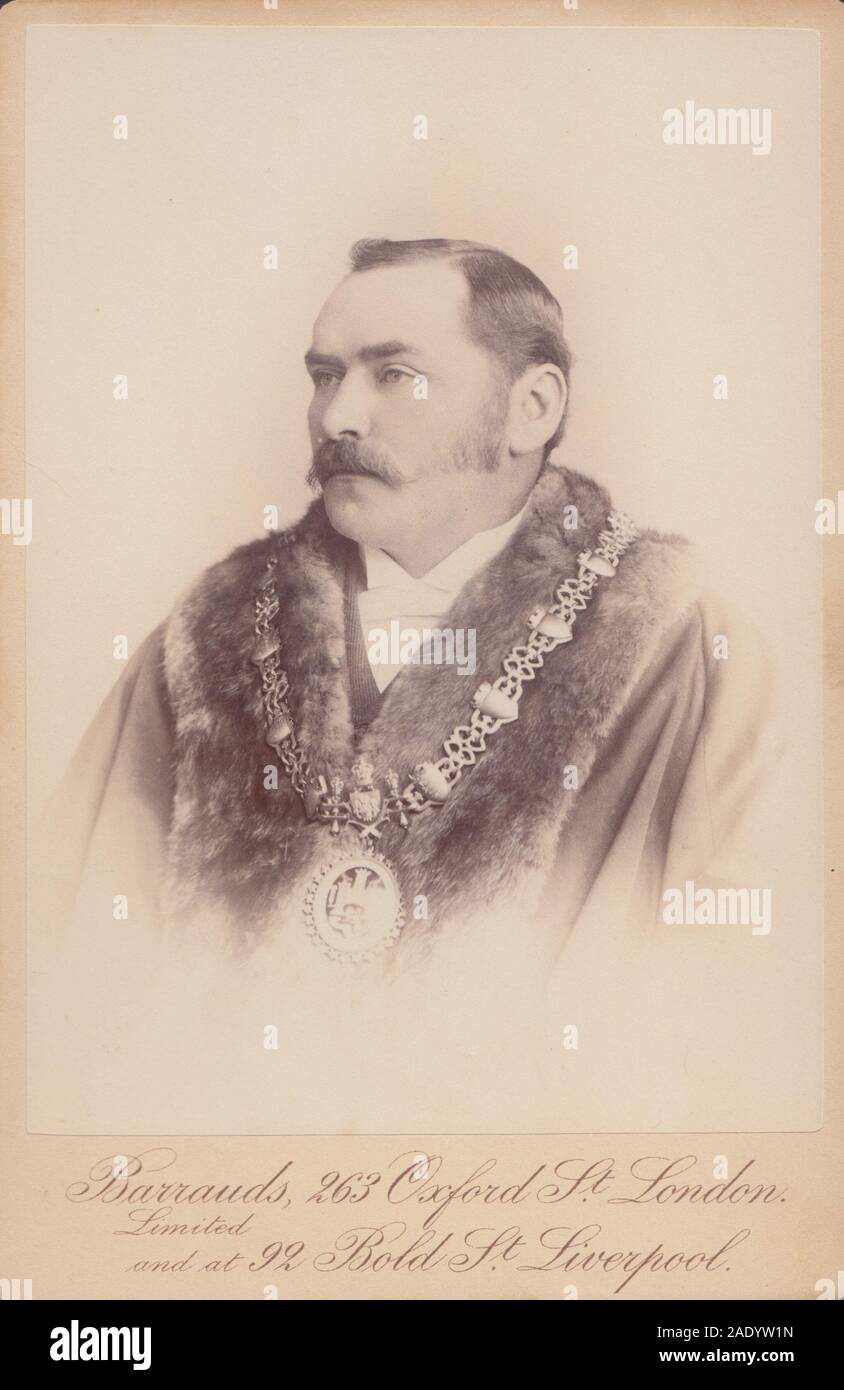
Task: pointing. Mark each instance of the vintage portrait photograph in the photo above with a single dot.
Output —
(424, 644)
(420, 712)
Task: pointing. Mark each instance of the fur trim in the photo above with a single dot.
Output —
(235, 843)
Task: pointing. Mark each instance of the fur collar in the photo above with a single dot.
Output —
(236, 843)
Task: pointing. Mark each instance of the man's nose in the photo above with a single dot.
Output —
(348, 411)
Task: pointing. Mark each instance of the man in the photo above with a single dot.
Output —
(256, 780)
(270, 784)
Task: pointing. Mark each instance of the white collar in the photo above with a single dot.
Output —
(451, 573)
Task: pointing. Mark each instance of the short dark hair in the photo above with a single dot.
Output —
(511, 313)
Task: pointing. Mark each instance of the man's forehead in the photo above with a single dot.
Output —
(420, 303)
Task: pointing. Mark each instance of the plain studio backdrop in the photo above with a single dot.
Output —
(146, 260)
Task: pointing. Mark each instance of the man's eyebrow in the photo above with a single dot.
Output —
(373, 353)
(323, 359)
(393, 348)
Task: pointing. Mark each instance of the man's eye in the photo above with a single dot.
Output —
(392, 375)
(322, 380)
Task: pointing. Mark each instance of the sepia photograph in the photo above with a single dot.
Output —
(423, 590)
(420, 557)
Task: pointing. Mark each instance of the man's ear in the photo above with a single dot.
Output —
(537, 405)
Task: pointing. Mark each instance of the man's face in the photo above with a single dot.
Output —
(408, 414)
